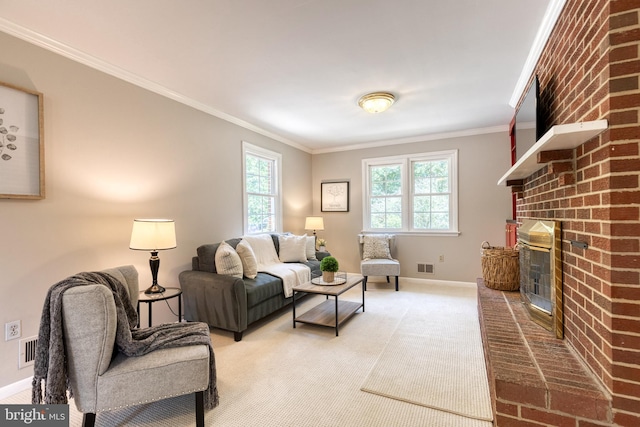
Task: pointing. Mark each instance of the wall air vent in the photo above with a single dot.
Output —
(426, 268)
(27, 352)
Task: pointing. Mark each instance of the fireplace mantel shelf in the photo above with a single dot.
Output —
(559, 137)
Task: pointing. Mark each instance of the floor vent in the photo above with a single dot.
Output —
(426, 268)
(27, 352)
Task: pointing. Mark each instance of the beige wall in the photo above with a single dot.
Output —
(483, 206)
(115, 152)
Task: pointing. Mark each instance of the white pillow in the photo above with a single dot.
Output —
(248, 259)
(293, 248)
(376, 246)
(311, 247)
(227, 261)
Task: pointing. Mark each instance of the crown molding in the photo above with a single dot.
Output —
(414, 139)
(76, 55)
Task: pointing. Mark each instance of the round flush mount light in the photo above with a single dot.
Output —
(376, 102)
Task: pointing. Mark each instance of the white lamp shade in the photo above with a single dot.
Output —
(153, 234)
(314, 223)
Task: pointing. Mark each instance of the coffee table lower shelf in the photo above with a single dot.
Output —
(330, 313)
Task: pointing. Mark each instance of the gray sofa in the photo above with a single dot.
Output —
(227, 302)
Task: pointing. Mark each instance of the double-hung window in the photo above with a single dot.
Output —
(411, 193)
(262, 189)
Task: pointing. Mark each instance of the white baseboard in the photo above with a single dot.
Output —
(15, 388)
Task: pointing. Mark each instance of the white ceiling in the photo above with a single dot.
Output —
(294, 69)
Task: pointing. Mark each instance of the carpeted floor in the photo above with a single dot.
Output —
(279, 376)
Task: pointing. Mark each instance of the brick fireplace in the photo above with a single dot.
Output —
(589, 70)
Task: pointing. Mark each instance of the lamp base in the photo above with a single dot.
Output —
(154, 289)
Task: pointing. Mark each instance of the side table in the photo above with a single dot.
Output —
(166, 295)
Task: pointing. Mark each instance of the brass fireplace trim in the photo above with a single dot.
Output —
(546, 234)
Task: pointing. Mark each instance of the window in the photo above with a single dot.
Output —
(262, 189)
(413, 193)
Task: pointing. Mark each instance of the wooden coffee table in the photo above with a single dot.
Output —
(329, 313)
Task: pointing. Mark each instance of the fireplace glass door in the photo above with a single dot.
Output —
(535, 277)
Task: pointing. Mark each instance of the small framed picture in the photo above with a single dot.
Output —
(21, 144)
(334, 196)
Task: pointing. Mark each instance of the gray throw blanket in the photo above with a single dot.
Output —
(50, 363)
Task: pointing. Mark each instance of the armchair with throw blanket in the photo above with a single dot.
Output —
(89, 349)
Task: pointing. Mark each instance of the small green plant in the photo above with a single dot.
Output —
(329, 264)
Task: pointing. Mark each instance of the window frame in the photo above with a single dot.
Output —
(406, 161)
(249, 149)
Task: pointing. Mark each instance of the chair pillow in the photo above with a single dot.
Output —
(248, 259)
(293, 248)
(311, 248)
(376, 246)
(228, 261)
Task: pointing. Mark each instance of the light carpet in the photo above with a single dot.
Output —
(436, 360)
(279, 376)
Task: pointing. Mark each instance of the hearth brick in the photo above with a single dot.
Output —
(534, 377)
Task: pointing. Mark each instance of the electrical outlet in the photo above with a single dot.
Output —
(441, 258)
(12, 330)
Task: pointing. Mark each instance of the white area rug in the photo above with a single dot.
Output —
(435, 359)
(278, 376)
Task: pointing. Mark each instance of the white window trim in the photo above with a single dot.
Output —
(248, 148)
(405, 161)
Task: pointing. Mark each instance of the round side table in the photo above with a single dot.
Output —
(151, 298)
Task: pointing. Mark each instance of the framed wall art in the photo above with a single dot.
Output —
(21, 143)
(334, 196)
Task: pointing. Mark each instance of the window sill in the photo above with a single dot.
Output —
(447, 233)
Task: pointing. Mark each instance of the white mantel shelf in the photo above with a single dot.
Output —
(559, 137)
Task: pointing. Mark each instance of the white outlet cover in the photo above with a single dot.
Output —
(12, 330)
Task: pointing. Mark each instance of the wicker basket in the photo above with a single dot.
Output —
(500, 267)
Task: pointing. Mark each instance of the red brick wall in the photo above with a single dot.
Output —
(590, 70)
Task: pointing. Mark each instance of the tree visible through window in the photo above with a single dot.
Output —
(386, 196)
(413, 193)
(262, 205)
(431, 198)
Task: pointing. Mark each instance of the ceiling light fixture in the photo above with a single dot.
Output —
(376, 102)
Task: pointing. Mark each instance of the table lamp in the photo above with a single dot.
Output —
(153, 235)
(314, 223)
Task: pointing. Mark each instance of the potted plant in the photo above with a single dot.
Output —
(329, 266)
(321, 245)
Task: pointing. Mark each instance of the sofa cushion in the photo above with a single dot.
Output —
(248, 258)
(293, 248)
(228, 261)
(206, 259)
(263, 287)
(314, 265)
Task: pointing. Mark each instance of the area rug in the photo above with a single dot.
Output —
(435, 359)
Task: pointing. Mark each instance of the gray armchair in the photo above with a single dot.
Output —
(377, 257)
(102, 380)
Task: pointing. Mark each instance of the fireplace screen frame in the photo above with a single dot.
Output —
(535, 237)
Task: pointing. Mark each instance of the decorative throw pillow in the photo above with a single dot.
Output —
(376, 246)
(228, 261)
(311, 248)
(248, 259)
(293, 248)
